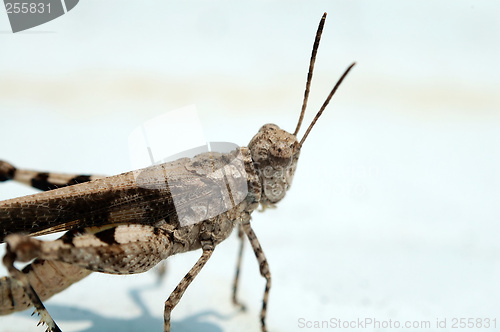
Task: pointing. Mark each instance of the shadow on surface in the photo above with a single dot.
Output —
(144, 322)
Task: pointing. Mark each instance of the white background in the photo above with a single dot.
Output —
(394, 210)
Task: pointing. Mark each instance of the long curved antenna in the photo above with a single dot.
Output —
(326, 102)
(310, 73)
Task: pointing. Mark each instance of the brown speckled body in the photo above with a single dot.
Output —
(114, 225)
(128, 223)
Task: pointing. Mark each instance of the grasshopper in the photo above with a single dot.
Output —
(128, 223)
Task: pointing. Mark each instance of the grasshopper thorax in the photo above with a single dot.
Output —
(275, 153)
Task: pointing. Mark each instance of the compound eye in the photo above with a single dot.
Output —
(280, 155)
(281, 150)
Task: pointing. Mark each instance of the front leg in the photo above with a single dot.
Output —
(176, 295)
(236, 302)
(264, 268)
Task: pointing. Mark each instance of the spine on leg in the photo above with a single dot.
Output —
(46, 277)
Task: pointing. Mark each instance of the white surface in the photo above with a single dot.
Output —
(394, 210)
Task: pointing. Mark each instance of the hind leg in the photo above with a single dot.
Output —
(124, 249)
(22, 280)
(47, 279)
(41, 180)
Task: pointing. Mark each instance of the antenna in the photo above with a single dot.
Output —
(326, 102)
(310, 73)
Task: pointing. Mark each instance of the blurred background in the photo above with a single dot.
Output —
(394, 210)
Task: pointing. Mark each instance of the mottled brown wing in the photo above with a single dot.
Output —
(145, 196)
(96, 203)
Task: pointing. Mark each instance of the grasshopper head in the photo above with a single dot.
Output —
(275, 152)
